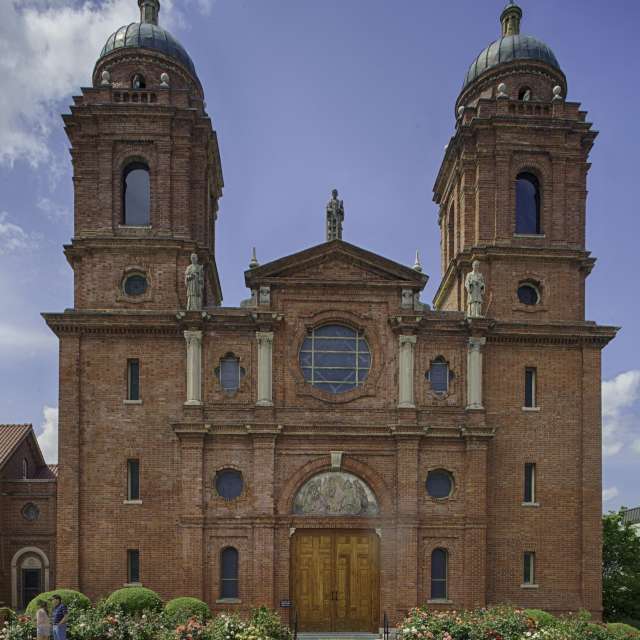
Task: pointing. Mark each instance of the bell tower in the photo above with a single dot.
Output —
(512, 185)
(147, 174)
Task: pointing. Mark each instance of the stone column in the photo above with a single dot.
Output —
(474, 373)
(194, 367)
(265, 365)
(405, 372)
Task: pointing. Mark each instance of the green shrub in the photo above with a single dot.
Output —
(541, 618)
(132, 600)
(179, 610)
(269, 624)
(6, 615)
(622, 630)
(73, 599)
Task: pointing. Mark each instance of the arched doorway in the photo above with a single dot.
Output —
(335, 572)
(29, 576)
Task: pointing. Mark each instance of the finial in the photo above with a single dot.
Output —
(335, 217)
(557, 93)
(417, 266)
(510, 19)
(253, 263)
(149, 10)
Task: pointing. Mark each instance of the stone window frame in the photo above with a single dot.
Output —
(542, 171)
(132, 152)
(243, 375)
(440, 395)
(25, 507)
(242, 500)
(134, 270)
(449, 544)
(21, 555)
(531, 549)
(536, 280)
(215, 347)
(454, 480)
(369, 330)
(427, 352)
(236, 538)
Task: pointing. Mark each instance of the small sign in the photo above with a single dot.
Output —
(285, 604)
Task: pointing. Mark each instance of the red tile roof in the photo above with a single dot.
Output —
(11, 435)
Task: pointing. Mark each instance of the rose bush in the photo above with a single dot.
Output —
(505, 623)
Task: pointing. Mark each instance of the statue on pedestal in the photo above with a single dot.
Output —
(474, 285)
(335, 217)
(194, 281)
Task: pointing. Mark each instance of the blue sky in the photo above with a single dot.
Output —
(306, 95)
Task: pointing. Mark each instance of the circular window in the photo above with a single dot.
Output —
(229, 484)
(30, 512)
(335, 358)
(439, 484)
(135, 285)
(528, 294)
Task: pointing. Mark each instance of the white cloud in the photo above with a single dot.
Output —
(13, 237)
(52, 210)
(619, 396)
(609, 494)
(48, 436)
(47, 52)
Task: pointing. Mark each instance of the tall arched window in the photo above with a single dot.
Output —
(25, 468)
(527, 204)
(136, 194)
(439, 562)
(138, 82)
(229, 573)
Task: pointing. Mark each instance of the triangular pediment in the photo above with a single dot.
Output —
(338, 262)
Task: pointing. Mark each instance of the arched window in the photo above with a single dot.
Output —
(138, 82)
(25, 468)
(527, 204)
(229, 573)
(230, 373)
(136, 194)
(524, 94)
(439, 375)
(439, 562)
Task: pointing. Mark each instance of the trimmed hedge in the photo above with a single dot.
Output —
(133, 600)
(69, 597)
(540, 617)
(624, 630)
(181, 609)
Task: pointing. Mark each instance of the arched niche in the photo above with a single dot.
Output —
(335, 493)
(27, 558)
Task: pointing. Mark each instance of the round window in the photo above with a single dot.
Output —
(30, 512)
(439, 484)
(528, 294)
(229, 484)
(135, 285)
(335, 358)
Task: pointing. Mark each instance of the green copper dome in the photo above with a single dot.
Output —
(146, 34)
(510, 47)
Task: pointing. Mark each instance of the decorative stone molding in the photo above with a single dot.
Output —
(336, 460)
(194, 367)
(474, 373)
(406, 361)
(14, 570)
(265, 366)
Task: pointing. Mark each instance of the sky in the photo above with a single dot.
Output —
(308, 95)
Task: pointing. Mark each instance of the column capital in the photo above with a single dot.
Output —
(476, 343)
(191, 335)
(264, 337)
(403, 339)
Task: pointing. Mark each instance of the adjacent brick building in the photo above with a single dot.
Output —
(333, 442)
(28, 522)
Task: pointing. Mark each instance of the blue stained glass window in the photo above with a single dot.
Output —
(229, 573)
(229, 373)
(335, 358)
(439, 376)
(439, 484)
(229, 484)
(527, 204)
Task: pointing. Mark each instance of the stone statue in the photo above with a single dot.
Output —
(335, 217)
(474, 284)
(194, 281)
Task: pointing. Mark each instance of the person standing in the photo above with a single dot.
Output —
(59, 617)
(43, 627)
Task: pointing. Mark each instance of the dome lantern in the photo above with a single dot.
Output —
(149, 10)
(510, 19)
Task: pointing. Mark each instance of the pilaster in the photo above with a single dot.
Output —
(265, 368)
(194, 367)
(406, 358)
(474, 373)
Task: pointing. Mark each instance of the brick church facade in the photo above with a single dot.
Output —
(333, 441)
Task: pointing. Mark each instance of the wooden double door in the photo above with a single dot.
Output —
(335, 579)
